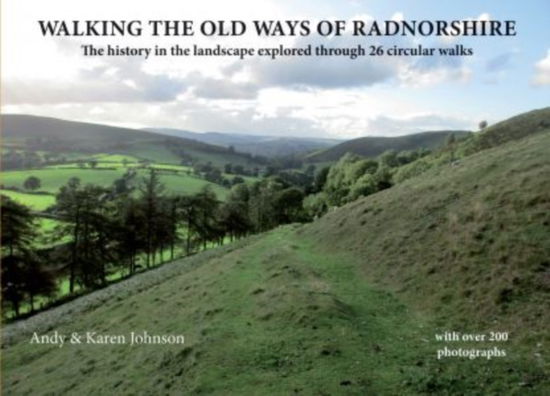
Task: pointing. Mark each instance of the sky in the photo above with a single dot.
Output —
(334, 97)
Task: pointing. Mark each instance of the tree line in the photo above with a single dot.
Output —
(131, 226)
(354, 176)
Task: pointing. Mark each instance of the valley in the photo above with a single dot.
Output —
(355, 300)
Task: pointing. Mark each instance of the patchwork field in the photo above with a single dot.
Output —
(52, 178)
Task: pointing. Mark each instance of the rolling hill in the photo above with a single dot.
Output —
(372, 146)
(510, 129)
(51, 134)
(267, 146)
(349, 304)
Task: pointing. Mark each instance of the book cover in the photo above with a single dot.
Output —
(275, 197)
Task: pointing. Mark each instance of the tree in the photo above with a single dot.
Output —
(213, 175)
(233, 219)
(17, 234)
(383, 178)
(450, 143)
(69, 206)
(315, 205)
(92, 163)
(38, 282)
(131, 237)
(482, 125)
(287, 205)
(17, 226)
(365, 185)
(320, 179)
(166, 234)
(234, 214)
(90, 224)
(207, 204)
(310, 170)
(237, 180)
(22, 272)
(151, 190)
(407, 156)
(32, 183)
(188, 215)
(389, 158)
(172, 224)
(338, 181)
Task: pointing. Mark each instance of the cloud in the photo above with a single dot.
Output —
(358, 118)
(122, 80)
(215, 88)
(451, 39)
(132, 80)
(415, 76)
(330, 72)
(393, 126)
(323, 71)
(542, 71)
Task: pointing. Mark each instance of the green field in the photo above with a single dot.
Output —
(183, 184)
(179, 168)
(117, 158)
(38, 202)
(155, 153)
(53, 178)
(161, 154)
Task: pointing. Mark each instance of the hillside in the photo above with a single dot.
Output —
(349, 304)
(511, 129)
(371, 146)
(52, 134)
(267, 146)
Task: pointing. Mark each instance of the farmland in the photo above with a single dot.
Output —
(176, 178)
(37, 202)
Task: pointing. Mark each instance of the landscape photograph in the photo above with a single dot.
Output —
(299, 225)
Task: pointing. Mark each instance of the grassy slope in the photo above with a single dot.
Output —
(87, 137)
(296, 321)
(468, 243)
(151, 152)
(511, 129)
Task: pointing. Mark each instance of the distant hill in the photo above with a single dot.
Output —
(18, 126)
(371, 146)
(52, 134)
(267, 146)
